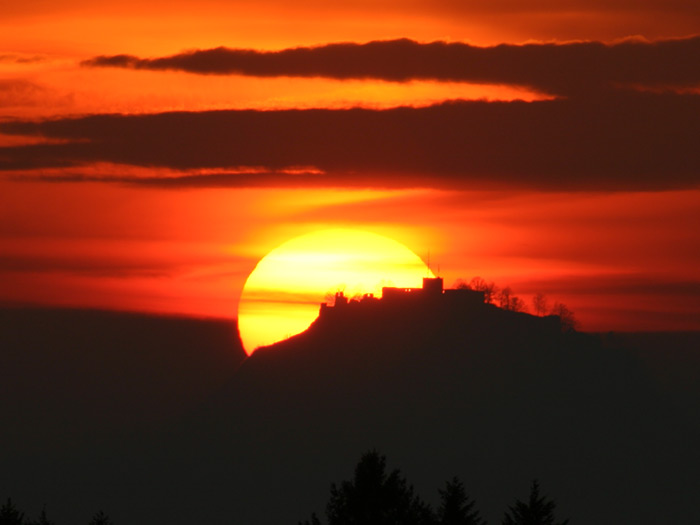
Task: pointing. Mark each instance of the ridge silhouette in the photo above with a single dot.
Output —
(450, 385)
(497, 398)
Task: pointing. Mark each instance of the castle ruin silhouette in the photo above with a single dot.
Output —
(431, 293)
(408, 305)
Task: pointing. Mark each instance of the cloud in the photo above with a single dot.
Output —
(20, 92)
(198, 179)
(17, 58)
(623, 284)
(563, 69)
(633, 141)
(82, 266)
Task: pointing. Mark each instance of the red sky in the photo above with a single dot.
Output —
(549, 146)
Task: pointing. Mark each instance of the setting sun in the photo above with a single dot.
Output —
(281, 296)
(183, 183)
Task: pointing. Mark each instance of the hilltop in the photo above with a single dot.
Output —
(450, 384)
(443, 388)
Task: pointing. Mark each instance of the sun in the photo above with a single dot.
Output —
(282, 295)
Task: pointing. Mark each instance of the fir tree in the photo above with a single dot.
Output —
(455, 507)
(9, 515)
(375, 497)
(43, 519)
(313, 521)
(538, 510)
(100, 519)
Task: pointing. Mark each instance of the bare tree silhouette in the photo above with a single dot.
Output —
(490, 289)
(517, 305)
(539, 304)
(567, 318)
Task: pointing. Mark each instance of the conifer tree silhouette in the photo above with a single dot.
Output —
(455, 507)
(10, 515)
(375, 497)
(43, 519)
(537, 511)
(313, 521)
(100, 519)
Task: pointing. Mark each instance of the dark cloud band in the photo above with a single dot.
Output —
(563, 69)
(623, 141)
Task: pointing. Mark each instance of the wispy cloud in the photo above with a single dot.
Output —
(83, 266)
(564, 69)
(20, 92)
(20, 58)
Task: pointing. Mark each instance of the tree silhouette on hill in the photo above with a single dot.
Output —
(479, 284)
(539, 304)
(456, 507)
(507, 301)
(537, 511)
(566, 317)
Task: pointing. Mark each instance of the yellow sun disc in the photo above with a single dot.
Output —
(282, 295)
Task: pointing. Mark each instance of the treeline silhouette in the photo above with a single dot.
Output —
(505, 299)
(11, 515)
(377, 497)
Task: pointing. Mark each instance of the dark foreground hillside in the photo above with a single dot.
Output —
(81, 391)
(495, 397)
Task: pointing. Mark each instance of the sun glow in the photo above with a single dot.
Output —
(281, 296)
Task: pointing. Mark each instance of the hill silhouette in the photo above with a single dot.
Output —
(88, 373)
(447, 387)
(496, 397)
(83, 393)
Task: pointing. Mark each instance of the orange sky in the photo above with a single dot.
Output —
(102, 218)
